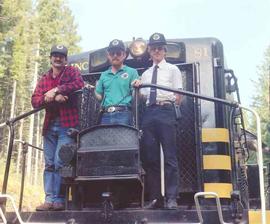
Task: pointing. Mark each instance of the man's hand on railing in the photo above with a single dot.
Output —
(60, 98)
(50, 95)
(136, 83)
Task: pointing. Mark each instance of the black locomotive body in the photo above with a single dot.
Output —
(103, 175)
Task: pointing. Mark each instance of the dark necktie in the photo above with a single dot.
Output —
(153, 91)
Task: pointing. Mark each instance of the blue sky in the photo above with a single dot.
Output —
(241, 25)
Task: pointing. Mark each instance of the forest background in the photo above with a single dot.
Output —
(27, 31)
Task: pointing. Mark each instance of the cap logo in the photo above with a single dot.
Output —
(156, 36)
(115, 42)
(59, 47)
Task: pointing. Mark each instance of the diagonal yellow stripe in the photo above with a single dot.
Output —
(217, 162)
(215, 135)
(223, 190)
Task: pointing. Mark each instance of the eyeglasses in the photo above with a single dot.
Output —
(117, 53)
(159, 48)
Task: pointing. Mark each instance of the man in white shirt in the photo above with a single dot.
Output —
(159, 124)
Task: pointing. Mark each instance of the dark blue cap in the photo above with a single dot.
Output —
(116, 44)
(157, 39)
(59, 49)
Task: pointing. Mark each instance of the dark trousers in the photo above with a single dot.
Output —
(159, 127)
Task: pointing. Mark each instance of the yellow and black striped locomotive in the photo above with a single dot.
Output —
(211, 135)
(103, 176)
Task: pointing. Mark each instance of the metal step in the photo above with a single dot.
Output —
(17, 214)
(124, 216)
(129, 215)
(198, 207)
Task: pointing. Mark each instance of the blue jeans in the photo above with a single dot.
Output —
(53, 139)
(118, 117)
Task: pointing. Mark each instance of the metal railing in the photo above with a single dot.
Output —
(198, 207)
(260, 162)
(231, 104)
(12, 121)
(18, 216)
(25, 151)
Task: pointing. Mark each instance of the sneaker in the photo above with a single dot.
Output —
(171, 203)
(46, 206)
(58, 206)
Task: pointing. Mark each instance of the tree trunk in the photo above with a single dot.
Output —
(37, 152)
(20, 148)
(32, 120)
(12, 109)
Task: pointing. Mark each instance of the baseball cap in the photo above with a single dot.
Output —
(157, 39)
(116, 44)
(60, 49)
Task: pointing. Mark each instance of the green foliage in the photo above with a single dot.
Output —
(56, 26)
(25, 31)
(261, 98)
(28, 29)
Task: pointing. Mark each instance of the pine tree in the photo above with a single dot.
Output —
(27, 33)
(56, 26)
(262, 97)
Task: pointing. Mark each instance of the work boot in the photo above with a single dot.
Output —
(58, 206)
(171, 203)
(46, 206)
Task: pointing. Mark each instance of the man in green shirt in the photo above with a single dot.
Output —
(114, 88)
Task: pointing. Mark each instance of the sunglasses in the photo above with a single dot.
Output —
(117, 53)
(159, 48)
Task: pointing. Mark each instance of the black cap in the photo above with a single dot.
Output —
(157, 39)
(116, 44)
(59, 49)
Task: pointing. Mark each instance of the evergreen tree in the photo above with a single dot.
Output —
(27, 33)
(56, 26)
(262, 97)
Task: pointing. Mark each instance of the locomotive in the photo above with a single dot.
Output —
(103, 175)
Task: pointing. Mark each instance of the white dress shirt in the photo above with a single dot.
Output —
(167, 75)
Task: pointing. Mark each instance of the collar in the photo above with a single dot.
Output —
(160, 64)
(121, 69)
(50, 72)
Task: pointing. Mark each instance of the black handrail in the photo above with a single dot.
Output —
(25, 151)
(230, 71)
(10, 123)
(192, 94)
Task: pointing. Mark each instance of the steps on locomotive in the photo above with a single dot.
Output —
(181, 215)
(107, 160)
(125, 216)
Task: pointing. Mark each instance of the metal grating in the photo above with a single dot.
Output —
(186, 130)
(186, 137)
(108, 150)
(104, 163)
(116, 136)
(88, 109)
